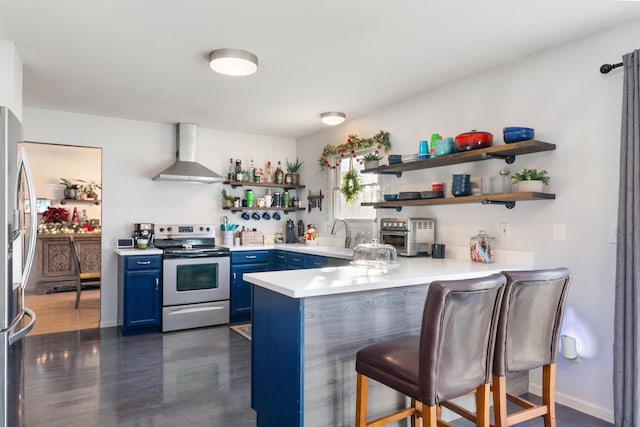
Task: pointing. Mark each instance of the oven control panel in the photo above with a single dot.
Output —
(164, 231)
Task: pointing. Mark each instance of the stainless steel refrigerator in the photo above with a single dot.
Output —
(18, 235)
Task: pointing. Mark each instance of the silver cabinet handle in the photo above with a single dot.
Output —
(250, 257)
(144, 262)
(157, 283)
(234, 277)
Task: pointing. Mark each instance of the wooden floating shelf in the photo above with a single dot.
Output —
(65, 201)
(507, 152)
(235, 184)
(507, 199)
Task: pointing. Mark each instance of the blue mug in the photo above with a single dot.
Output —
(266, 216)
(256, 216)
(276, 216)
(245, 216)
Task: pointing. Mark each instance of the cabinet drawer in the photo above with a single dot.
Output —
(296, 261)
(316, 261)
(250, 257)
(280, 257)
(148, 262)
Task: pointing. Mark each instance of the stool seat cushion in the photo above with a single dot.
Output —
(393, 363)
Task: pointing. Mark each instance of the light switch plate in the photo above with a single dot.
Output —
(612, 233)
(559, 231)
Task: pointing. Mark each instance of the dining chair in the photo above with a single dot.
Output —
(450, 357)
(81, 276)
(527, 338)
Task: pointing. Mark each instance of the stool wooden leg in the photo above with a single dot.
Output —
(417, 414)
(362, 394)
(549, 394)
(430, 416)
(500, 401)
(482, 405)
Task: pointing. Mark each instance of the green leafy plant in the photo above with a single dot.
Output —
(531, 175)
(70, 184)
(372, 157)
(294, 167)
(351, 186)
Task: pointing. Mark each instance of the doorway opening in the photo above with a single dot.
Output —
(68, 190)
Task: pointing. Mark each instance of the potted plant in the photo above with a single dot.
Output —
(531, 180)
(89, 190)
(372, 160)
(70, 188)
(293, 172)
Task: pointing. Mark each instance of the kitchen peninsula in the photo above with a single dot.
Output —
(309, 324)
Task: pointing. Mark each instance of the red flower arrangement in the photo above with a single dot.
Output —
(55, 215)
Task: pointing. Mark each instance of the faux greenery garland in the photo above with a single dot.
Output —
(329, 152)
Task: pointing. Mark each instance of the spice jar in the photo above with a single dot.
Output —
(481, 247)
(277, 200)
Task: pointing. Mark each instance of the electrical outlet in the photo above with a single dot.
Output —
(505, 230)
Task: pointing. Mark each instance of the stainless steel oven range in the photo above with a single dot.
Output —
(195, 277)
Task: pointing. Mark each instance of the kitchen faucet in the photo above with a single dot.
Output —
(347, 238)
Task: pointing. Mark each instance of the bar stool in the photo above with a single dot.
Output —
(527, 338)
(451, 356)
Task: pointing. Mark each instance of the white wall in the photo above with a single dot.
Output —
(11, 78)
(132, 153)
(560, 93)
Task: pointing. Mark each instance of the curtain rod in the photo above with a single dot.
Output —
(608, 67)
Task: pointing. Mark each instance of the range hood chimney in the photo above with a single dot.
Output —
(186, 169)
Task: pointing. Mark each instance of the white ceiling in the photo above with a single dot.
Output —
(147, 59)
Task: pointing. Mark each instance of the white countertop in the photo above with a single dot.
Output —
(328, 251)
(130, 252)
(338, 280)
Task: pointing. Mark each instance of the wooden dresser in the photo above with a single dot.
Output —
(53, 265)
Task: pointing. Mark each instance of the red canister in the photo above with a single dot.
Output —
(437, 186)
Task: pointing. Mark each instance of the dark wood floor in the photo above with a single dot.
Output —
(189, 378)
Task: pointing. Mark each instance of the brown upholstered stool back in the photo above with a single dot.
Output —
(530, 320)
(458, 336)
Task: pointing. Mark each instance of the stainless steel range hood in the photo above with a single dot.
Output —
(186, 169)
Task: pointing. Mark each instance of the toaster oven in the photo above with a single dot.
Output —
(410, 236)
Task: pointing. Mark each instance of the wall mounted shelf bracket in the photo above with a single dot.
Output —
(509, 159)
(509, 204)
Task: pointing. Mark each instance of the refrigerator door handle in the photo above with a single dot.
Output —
(32, 216)
(18, 335)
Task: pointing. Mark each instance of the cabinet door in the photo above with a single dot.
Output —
(241, 291)
(142, 298)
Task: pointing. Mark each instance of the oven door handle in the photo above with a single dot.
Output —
(196, 255)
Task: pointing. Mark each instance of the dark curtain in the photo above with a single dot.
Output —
(626, 366)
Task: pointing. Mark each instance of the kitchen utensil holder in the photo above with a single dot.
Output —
(314, 200)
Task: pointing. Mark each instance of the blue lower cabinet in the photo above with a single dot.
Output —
(139, 293)
(241, 292)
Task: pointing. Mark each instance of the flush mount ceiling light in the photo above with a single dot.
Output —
(233, 62)
(332, 119)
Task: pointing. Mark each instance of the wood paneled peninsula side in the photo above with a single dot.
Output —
(308, 325)
(53, 263)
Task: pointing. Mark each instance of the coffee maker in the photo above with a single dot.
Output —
(143, 231)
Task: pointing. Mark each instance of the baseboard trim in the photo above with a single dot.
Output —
(577, 404)
(108, 324)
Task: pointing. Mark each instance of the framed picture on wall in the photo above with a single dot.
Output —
(42, 205)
